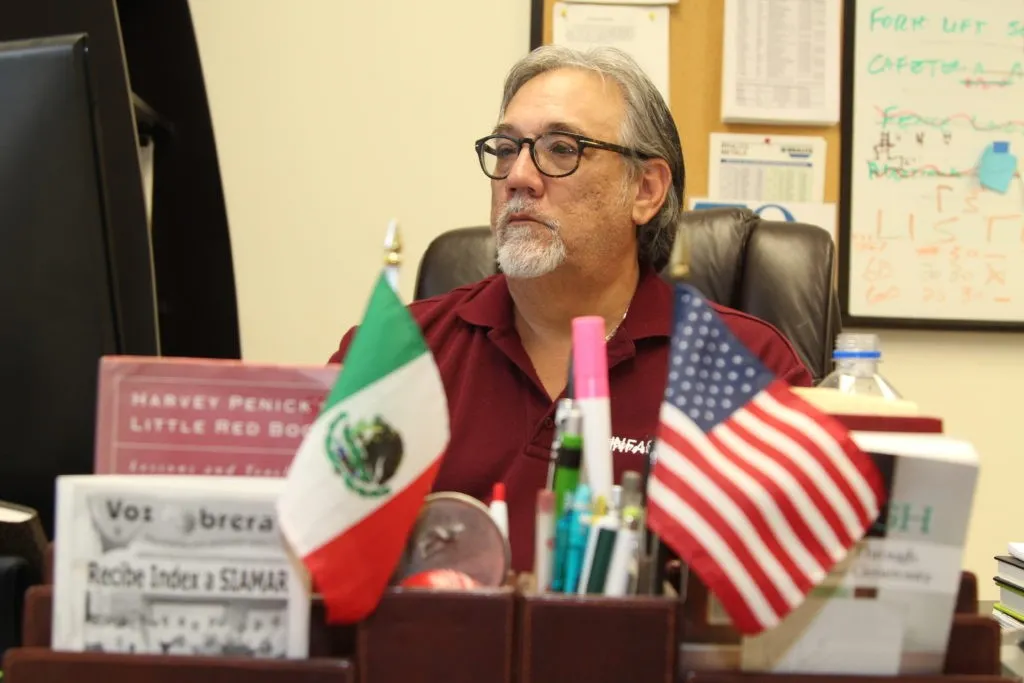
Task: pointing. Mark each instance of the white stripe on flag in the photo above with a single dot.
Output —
(806, 462)
(317, 506)
(823, 440)
(754, 492)
(790, 486)
(714, 545)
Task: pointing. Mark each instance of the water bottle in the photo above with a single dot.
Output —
(856, 358)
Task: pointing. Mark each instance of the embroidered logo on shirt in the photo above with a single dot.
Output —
(620, 445)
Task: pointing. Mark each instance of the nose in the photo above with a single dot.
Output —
(524, 176)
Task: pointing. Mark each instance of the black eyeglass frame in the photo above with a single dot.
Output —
(582, 142)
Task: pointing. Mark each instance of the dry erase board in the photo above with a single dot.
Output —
(932, 203)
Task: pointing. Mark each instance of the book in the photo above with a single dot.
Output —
(185, 565)
(861, 413)
(887, 608)
(204, 416)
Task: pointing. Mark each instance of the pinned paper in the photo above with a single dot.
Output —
(997, 167)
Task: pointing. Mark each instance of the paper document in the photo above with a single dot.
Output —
(766, 167)
(781, 61)
(640, 31)
(822, 215)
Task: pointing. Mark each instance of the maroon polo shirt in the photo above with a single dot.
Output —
(501, 419)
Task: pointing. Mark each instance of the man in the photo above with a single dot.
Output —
(586, 190)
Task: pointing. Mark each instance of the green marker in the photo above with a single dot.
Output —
(570, 456)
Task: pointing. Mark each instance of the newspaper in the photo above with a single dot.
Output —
(169, 565)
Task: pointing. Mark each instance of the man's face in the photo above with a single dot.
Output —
(583, 220)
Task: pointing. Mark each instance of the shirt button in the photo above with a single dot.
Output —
(549, 423)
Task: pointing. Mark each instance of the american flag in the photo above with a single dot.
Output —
(755, 489)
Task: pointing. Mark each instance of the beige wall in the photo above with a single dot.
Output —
(332, 116)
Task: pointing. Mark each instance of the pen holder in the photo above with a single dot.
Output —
(42, 665)
(596, 639)
(443, 636)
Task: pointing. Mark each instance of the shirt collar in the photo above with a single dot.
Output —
(649, 315)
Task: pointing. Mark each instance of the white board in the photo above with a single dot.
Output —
(935, 82)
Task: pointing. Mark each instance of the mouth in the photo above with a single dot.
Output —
(522, 218)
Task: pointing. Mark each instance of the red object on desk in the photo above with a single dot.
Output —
(887, 423)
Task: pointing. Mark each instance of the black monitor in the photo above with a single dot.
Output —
(65, 301)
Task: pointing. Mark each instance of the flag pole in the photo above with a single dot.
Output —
(658, 554)
(392, 254)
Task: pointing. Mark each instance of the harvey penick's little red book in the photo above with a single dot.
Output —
(204, 416)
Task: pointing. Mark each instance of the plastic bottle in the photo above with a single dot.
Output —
(856, 358)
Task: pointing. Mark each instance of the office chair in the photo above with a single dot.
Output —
(777, 271)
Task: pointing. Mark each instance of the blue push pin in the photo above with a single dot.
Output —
(997, 167)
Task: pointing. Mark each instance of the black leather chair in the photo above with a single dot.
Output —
(777, 271)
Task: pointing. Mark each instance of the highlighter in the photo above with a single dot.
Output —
(578, 531)
(570, 456)
(590, 384)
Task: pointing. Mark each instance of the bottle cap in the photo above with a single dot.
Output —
(857, 345)
(498, 493)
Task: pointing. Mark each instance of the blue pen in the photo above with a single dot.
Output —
(577, 539)
(562, 529)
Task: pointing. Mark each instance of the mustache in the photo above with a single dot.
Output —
(522, 205)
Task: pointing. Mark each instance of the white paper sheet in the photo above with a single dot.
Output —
(640, 31)
(823, 215)
(777, 168)
(781, 61)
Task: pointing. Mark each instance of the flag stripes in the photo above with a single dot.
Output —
(766, 502)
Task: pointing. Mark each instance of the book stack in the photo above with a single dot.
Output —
(1009, 609)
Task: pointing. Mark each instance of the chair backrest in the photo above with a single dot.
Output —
(780, 272)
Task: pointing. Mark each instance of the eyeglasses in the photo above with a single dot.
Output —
(555, 154)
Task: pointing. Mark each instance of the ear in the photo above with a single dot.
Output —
(654, 184)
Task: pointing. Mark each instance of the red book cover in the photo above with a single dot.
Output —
(891, 423)
(204, 416)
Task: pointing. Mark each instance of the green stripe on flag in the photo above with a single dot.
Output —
(387, 339)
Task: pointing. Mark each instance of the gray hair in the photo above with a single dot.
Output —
(648, 128)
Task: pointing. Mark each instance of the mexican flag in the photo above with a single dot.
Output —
(364, 467)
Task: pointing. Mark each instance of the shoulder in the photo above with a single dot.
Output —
(432, 313)
(767, 343)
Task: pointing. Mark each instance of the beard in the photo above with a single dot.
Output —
(528, 251)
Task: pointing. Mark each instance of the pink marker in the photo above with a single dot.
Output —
(590, 385)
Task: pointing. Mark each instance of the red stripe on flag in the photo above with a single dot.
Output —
(805, 442)
(352, 570)
(796, 521)
(744, 502)
(838, 433)
(696, 556)
(818, 500)
(749, 561)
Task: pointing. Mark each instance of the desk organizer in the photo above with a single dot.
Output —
(596, 639)
(42, 665)
(497, 636)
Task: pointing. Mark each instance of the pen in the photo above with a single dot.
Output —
(544, 539)
(563, 528)
(607, 531)
(578, 532)
(590, 385)
(570, 454)
(598, 513)
(622, 577)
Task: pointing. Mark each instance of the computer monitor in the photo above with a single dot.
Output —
(61, 301)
